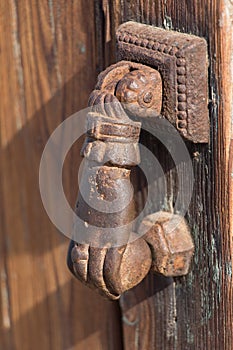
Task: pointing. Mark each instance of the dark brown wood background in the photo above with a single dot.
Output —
(48, 66)
(194, 312)
(50, 54)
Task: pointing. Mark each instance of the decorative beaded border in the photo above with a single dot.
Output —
(181, 103)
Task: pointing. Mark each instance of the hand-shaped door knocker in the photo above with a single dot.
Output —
(123, 91)
(169, 81)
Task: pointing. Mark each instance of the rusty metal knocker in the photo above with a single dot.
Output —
(112, 139)
(123, 91)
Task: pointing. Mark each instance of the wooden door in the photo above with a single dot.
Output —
(193, 312)
(50, 55)
(48, 68)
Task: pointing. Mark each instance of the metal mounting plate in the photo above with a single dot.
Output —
(182, 62)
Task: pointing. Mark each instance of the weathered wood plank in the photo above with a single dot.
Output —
(48, 67)
(195, 312)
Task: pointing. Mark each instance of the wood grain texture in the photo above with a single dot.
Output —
(48, 66)
(194, 312)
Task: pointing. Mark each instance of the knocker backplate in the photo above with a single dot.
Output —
(182, 62)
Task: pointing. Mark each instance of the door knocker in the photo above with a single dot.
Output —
(160, 74)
